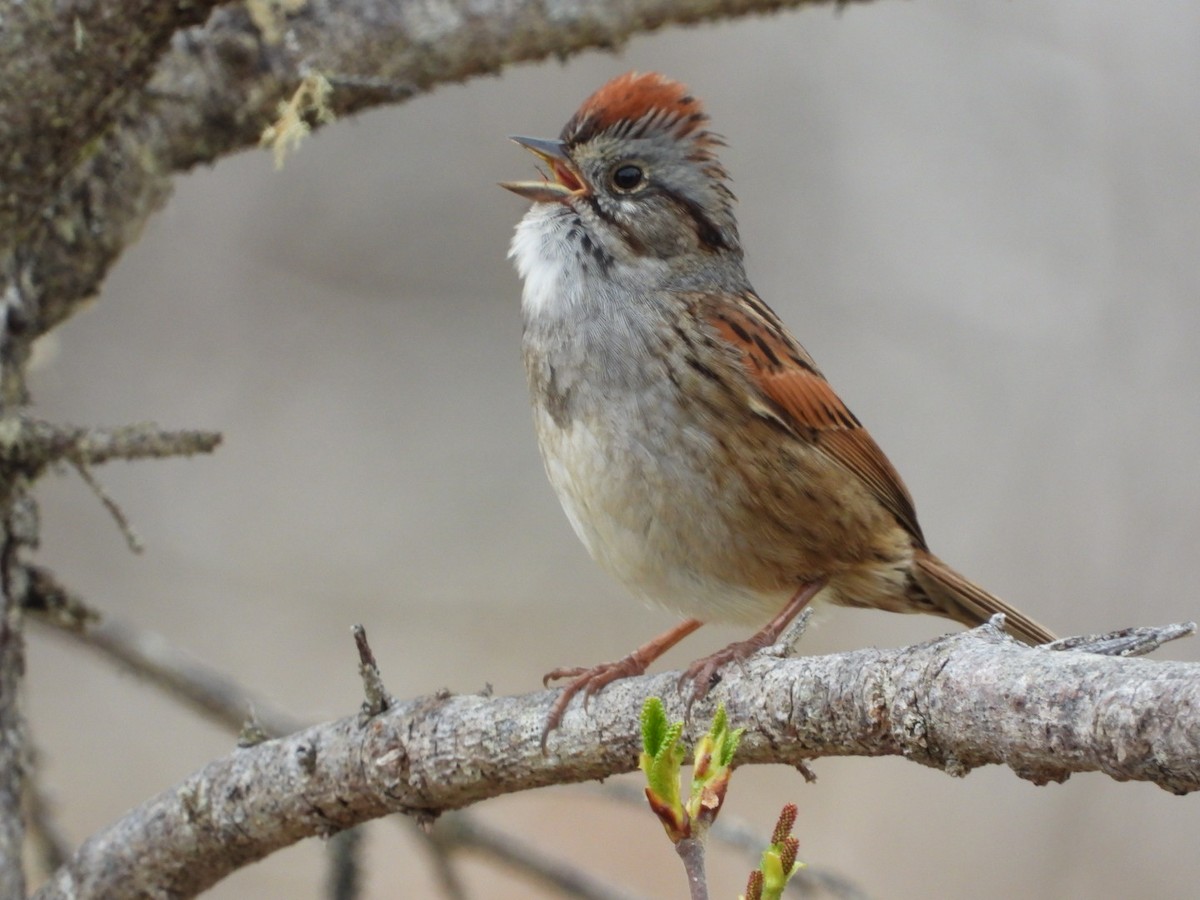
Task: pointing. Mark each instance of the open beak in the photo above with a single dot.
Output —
(567, 182)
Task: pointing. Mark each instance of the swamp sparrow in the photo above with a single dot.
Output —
(698, 451)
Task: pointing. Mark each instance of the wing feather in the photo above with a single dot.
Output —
(800, 397)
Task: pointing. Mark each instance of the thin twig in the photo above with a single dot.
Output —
(786, 645)
(48, 600)
(691, 852)
(441, 858)
(461, 832)
(344, 851)
(131, 538)
(1127, 641)
(49, 841)
(29, 445)
(152, 657)
(378, 700)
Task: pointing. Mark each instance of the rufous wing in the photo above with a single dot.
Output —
(799, 395)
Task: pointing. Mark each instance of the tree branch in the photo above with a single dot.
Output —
(185, 679)
(13, 747)
(221, 84)
(28, 445)
(963, 701)
(50, 844)
(458, 832)
(228, 704)
(68, 68)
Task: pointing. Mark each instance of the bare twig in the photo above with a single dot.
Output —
(150, 656)
(28, 445)
(204, 689)
(345, 849)
(1126, 642)
(49, 601)
(441, 858)
(458, 831)
(377, 699)
(53, 848)
(790, 638)
(131, 539)
(691, 852)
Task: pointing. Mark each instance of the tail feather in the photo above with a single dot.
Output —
(964, 601)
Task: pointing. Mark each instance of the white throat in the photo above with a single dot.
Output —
(546, 262)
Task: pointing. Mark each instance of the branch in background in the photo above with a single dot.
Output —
(344, 852)
(445, 872)
(220, 85)
(955, 703)
(51, 846)
(200, 687)
(457, 831)
(28, 445)
(14, 750)
(68, 68)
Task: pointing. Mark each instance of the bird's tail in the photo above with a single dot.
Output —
(964, 601)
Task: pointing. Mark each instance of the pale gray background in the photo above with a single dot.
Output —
(980, 217)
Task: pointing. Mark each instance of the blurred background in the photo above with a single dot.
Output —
(981, 218)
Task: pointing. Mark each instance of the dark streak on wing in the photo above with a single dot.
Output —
(791, 384)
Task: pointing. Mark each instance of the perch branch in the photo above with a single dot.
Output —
(956, 703)
(227, 703)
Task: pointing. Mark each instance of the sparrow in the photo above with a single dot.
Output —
(700, 455)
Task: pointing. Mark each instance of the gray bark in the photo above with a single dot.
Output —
(963, 701)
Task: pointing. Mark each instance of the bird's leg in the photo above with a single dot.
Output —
(701, 672)
(592, 678)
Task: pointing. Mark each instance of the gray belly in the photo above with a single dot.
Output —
(652, 515)
(696, 503)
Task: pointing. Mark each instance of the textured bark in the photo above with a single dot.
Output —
(957, 703)
(12, 726)
(68, 67)
(27, 447)
(218, 86)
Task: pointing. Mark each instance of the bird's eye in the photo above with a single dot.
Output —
(628, 177)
